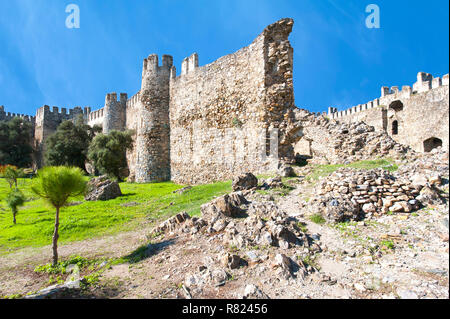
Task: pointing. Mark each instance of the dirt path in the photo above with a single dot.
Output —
(16, 269)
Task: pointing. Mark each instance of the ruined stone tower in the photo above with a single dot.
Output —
(115, 112)
(153, 131)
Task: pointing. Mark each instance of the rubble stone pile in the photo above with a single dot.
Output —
(359, 141)
(349, 194)
(333, 142)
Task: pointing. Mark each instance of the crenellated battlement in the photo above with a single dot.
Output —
(112, 97)
(189, 64)
(114, 112)
(425, 82)
(151, 64)
(134, 101)
(6, 116)
(62, 113)
(95, 115)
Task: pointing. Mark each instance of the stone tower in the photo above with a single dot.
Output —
(115, 112)
(153, 131)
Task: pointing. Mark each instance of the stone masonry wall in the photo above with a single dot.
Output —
(115, 112)
(412, 115)
(221, 114)
(153, 131)
(131, 123)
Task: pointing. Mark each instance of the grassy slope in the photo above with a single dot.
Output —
(91, 219)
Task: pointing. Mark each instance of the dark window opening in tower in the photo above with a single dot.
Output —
(395, 128)
(396, 106)
(431, 143)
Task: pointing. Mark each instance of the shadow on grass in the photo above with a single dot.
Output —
(41, 212)
(146, 251)
(127, 195)
(38, 221)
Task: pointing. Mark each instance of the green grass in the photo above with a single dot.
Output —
(155, 201)
(387, 244)
(318, 219)
(60, 267)
(302, 227)
(325, 170)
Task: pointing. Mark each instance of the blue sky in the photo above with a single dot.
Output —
(337, 60)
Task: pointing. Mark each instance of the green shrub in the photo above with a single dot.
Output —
(11, 175)
(14, 200)
(60, 267)
(108, 152)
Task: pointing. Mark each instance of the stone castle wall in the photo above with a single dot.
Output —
(131, 123)
(6, 116)
(220, 113)
(237, 114)
(412, 116)
(115, 112)
(152, 131)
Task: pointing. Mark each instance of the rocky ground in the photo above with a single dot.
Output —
(267, 242)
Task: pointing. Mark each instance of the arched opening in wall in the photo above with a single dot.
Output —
(395, 128)
(303, 152)
(431, 144)
(396, 105)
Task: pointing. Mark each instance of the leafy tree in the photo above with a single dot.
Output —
(108, 152)
(15, 142)
(56, 185)
(69, 145)
(11, 175)
(14, 200)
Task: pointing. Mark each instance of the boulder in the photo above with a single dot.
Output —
(339, 210)
(230, 261)
(286, 171)
(274, 182)
(283, 264)
(171, 224)
(369, 208)
(419, 180)
(244, 182)
(429, 195)
(283, 235)
(102, 188)
(227, 205)
(253, 292)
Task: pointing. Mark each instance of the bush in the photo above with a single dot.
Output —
(11, 174)
(3, 168)
(108, 152)
(14, 200)
(15, 142)
(69, 145)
